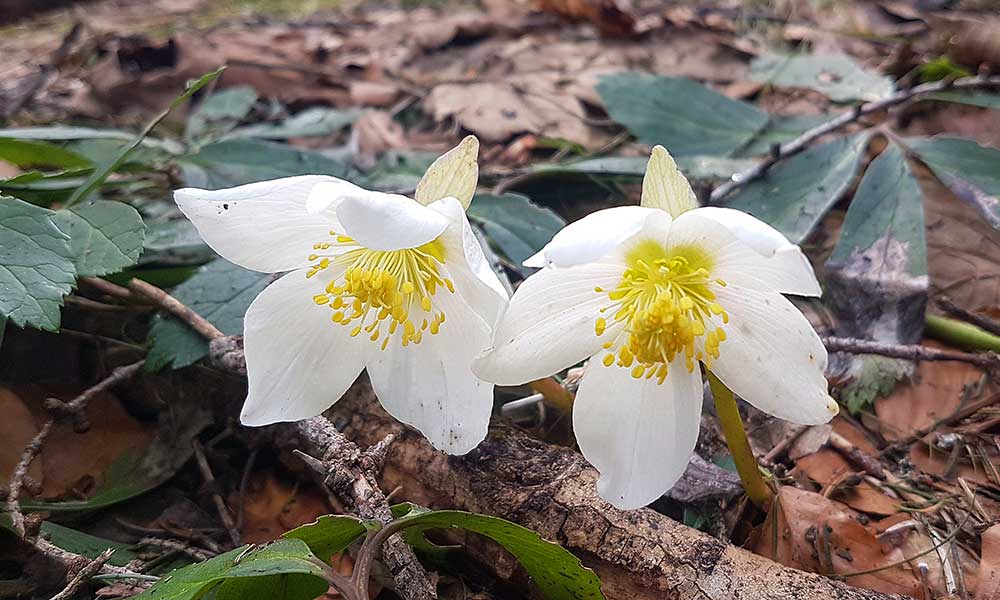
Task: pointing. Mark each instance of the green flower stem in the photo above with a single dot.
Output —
(962, 334)
(736, 439)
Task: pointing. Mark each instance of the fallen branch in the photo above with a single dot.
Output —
(83, 575)
(912, 352)
(978, 320)
(783, 151)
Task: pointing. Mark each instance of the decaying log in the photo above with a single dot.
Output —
(638, 554)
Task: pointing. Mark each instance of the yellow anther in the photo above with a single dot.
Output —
(425, 303)
(609, 359)
(321, 299)
(638, 371)
(356, 331)
(600, 326)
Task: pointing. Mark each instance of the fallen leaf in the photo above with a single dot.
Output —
(372, 134)
(988, 585)
(17, 429)
(273, 505)
(610, 18)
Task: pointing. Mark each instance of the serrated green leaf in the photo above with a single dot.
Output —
(234, 162)
(36, 265)
(102, 173)
(284, 567)
(795, 194)
(835, 75)
(556, 571)
(27, 154)
(310, 122)
(876, 378)
(220, 112)
(330, 534)
(682, 115)
(969, 170)
(517, 226)
(105, 236)
(221, 292)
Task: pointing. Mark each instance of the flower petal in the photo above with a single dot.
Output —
(638, 433)
(767, 241)
(431, 386)
(454, 174)
(261, 226)
(298, 361)
(735, 262)
(593, 236)
(549, 324)
(772, 357)
(388, 221)
(326, 196)
(665, 187)
(474, 279)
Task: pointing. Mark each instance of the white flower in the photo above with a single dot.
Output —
(649, 292)
(377, 281)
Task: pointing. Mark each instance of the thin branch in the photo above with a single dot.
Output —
(800, 143)
(83, 575)
(978, 320)
(220, 504)
(76, 408)
(31, 452)
(175, 307)
(912, 352)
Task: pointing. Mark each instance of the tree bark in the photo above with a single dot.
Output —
(638, 554)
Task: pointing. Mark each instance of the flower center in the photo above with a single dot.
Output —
(666, 302)
(383, 291)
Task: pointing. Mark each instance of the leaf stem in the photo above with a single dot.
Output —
(963, 335)
(736, 439)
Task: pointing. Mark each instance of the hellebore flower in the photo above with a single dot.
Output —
(648, 292)
(380, 281)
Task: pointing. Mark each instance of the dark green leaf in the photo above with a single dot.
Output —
(310, 122)
(36, 265)
(518, 227)
(174, 241)
(556, 572)
(969, 170)
(796, 193)
(778, 131)
(683, 115)
(220, 292)
(970, 97)
(694, 167)
(87, 545)
(235, 162)
(330, 534)
(284, 567)
(59, 133)
(836, 75)
(220, 112)
(104, 236)
(26, 154)
(45, 189)
(101, 174)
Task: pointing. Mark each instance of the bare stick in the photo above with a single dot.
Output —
(83, 575)
(176, 308)
(913, 352)
(110, 289)
(967, 315)
(31, 452)
(802, 142)
(76, 408)
(220, 504)
(779, 449)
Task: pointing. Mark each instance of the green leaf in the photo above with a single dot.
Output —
(796, 193)
(235, 162)
(969, 170)
(62, 134)
(682, 115)
(26, 154)
(36, 265)
(100, 175)
(778, 131)
(308, 123)
(87, 545)
(173, 241)
(104, 236)
(330, 534)
(876, 377)
(45, 189)
(970, 97)
(281, 570)
(221, 292)
(835, 75)
(220, 112)
(517, 226)
(555, 570)
(694, 167)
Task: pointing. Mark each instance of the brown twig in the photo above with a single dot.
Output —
(220, 504)
(802, 142)
(176, 308)
(198, 554)
(960, 414)
(76, 408)
(978, 320)
(83, 575)
(855, 455)
(911, 352)
(779, 449)
(31, 452)
(110, 289)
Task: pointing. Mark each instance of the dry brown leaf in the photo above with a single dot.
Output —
(373, 93)
(988, 585)
(610, 18)
(17, 428)
(372, 134)
(816, 534)
(969, 40)
(273, 505)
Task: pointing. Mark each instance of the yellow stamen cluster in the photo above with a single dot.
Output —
(665, 301)
(394, 288)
